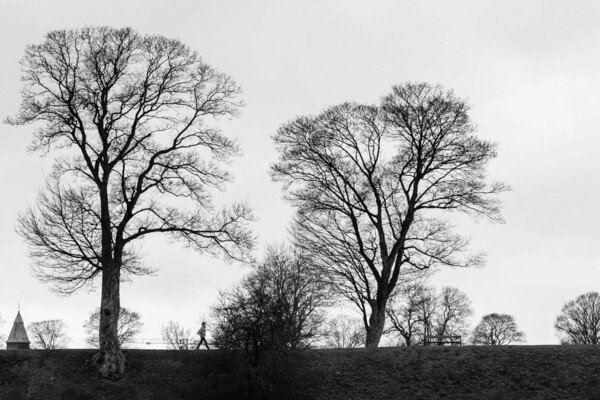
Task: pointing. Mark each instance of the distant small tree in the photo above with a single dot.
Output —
(49, 334)
(129, 325)
(579, 320)
(343, 332)
(406, 314)
(175, 335)
(454, 309)
(496, 330)
(419, 311)
(426, 309)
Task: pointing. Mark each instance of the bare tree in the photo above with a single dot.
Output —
(427, 309)
(453, 311)
(175, 335)
(129, 325)
(277, 306)
(419, 311)
(409, 314)
(496, 330)
(129, 118)
(49, 334)
(343, 332)
(579, 320)
(369, 183)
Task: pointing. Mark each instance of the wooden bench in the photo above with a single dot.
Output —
(441, 340)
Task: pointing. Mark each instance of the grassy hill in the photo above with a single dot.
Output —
(510, 372)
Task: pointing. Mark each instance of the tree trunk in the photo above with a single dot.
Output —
(110, 360)
(376, 323)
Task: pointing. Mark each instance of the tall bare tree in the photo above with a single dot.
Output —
(579, 320)
(497, 330)
(174, 335)
(129, 118)
(48, 334)
(129, 325)
(370, 184)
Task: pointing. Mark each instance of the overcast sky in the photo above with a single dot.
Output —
(530, 70)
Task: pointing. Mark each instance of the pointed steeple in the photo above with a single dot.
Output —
(17, 339)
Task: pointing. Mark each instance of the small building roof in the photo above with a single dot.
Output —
(18, 334)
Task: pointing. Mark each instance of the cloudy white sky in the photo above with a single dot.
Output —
(530, 69)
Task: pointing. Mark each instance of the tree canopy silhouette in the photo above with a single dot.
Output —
(497, 330)
(278, 305)
(419, 311)
(48, 334)
(579, 320)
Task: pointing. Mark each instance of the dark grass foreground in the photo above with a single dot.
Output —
(511, 372)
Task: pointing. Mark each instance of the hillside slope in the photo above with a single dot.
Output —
(508, 372)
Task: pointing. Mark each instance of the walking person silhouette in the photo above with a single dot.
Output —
(202, 333)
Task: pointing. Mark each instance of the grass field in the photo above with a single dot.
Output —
(508, 372)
